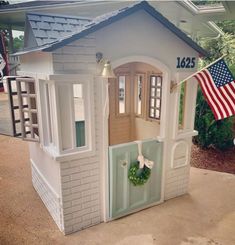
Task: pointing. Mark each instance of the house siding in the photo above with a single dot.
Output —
(77, 57)
(80, 178)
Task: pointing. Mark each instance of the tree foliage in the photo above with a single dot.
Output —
(18, 43)
(227, 26)
(219, 46)
(206, 2)
(214, 133)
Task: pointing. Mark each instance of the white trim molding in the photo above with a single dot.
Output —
(183, 159)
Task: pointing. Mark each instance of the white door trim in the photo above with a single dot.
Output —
(166, 74)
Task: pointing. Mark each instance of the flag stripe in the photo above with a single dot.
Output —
(207, 95)
(232, 92)
(232, 86)
(216, 103)
(224, 93)
(227, 96)
(216, 95)
(220, 97)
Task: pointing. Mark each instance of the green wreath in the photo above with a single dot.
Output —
(138, 176)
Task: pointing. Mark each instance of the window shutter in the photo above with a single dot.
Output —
(23, 104)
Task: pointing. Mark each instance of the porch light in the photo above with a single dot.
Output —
(107, 71)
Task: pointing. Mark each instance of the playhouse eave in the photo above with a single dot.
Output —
(107, 19)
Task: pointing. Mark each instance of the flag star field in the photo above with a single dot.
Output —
(220, 74)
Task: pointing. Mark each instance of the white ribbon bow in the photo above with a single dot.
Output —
(143, 161)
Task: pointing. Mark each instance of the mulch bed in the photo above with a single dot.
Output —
(222, 161)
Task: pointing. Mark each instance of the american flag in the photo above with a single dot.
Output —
(218, 86)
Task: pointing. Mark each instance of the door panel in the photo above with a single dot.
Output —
(124, 196)
(119, 124)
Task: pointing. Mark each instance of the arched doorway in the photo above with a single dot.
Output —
(135, 100)
(135, 107)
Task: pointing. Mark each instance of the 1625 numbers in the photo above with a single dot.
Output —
(185, 62)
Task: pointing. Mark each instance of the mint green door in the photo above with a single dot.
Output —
(124, 196)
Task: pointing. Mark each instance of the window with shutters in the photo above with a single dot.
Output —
(74, 103)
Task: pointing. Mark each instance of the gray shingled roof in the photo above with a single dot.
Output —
(105, 20)
(48, 28)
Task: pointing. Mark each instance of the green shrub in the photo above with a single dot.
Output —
(218, 134)
(213, 133)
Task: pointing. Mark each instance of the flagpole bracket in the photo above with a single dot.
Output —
(173, 86)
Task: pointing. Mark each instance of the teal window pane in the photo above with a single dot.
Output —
(80, 133)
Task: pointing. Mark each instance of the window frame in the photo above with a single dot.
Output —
(143, 94)
(187, 129)
(85, 96)
(127, 98)
(48, 116)
(149, 97)
(87, 80)
(181, 126)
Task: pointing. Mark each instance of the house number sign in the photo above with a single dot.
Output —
(185, 62)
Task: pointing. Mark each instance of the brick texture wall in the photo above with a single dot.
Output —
(80, 194)
(49, 198)
(176, 182)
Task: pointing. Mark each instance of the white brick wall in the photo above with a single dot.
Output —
(177, 169)
(176, 182)
(48, 196)
(80, 194)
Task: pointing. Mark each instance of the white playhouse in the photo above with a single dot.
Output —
(90, 122)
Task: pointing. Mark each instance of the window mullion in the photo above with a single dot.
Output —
(20, 104)
(29, 112)
(73, 118)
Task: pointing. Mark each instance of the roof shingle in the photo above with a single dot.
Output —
(49, 27)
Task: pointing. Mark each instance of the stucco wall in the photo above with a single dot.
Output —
(36, 62)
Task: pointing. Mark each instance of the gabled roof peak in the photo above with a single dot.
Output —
(109, 18)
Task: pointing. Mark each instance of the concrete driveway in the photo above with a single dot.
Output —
(205, 216)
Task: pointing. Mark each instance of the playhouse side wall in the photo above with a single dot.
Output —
(80, 177)
(45, 170)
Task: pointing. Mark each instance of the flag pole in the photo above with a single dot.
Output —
(174, 86)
